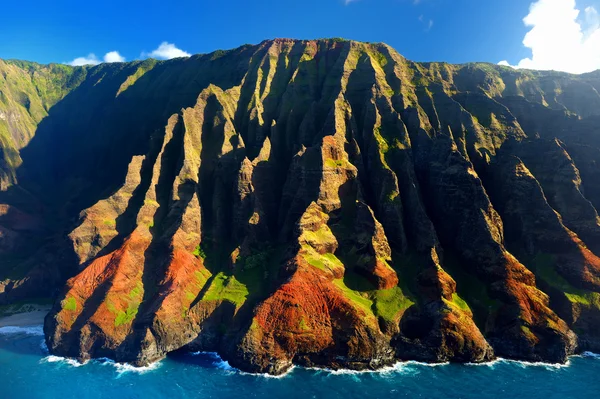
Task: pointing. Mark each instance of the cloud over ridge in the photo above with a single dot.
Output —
(91, 59)
(167, 51)
(562, 37)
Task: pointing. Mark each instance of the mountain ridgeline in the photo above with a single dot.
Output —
(323, 203)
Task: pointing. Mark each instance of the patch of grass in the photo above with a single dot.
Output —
(189, 296)
(69, 304)
(199, 252)
(303, 325)
(388, 303)
(391, 196)
(544, 268)
(381, 141)
(460, 303)
(333, 163)
(201, 277)
(109, 223)
(132, 300)
(144, 67)
(326, 262)
(471, 290)
(127, 316)
(148, 201)
(360, 300)
(226, 288)
(319, 236)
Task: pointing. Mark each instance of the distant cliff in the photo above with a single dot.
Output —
(322, 203)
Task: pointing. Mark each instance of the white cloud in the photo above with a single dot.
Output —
(561, 38)
(427, 22)
(166, 51)
(113, 56)
(91, 59)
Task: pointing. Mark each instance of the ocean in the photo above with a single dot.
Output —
(28, 371)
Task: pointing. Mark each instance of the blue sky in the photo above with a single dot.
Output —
(423, 30)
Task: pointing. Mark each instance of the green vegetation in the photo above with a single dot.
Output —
(335, 163)
(132, 300)
(361, 300)
(303, 325)
(144, 67)
(257, 259)
(459, 303)
(326, 262)
(149, 201)
(471, 293)
(127, 316)
(69, 304)
(388, 303)
(189, 296)
(544, 268)
(226, 288)
(320, 236)
(380, 58)
(199, 252)
(193, 288)
(109, 223)
(217, 54)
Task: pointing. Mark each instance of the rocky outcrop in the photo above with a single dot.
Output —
(324, 203)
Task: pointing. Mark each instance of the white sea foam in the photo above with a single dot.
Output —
(123, 368)
(407, 367)
(217, 361)
(403, 367)
(547, 366)
(62, 360)
(491, 364)
(33, 330)
(265, 375)
(44, 347)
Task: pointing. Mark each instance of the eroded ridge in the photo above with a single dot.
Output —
(324, 203)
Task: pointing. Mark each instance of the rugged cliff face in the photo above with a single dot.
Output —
(323, 203)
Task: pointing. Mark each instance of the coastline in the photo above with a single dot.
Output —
(34, 319)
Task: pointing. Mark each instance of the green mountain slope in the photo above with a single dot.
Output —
(324, 203)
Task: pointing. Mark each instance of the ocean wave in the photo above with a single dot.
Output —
(402, 367)
(265, 375)
(217, 361)
(491, 364)
(123, 368)
(120, 368)
(44, 347)
(62, 360)
(33, 330)
(591, 354)
(525, 364)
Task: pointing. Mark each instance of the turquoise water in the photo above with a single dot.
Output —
(26, 371)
